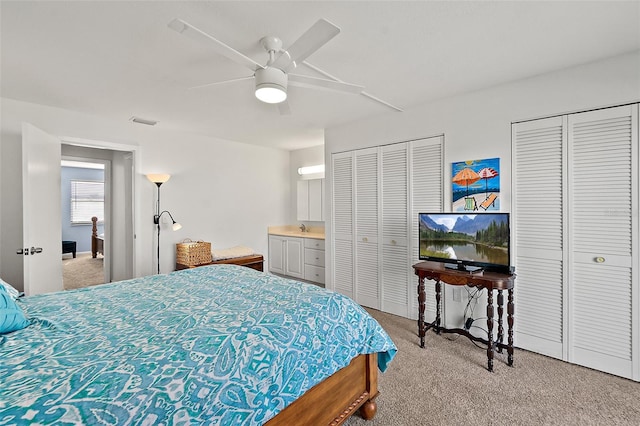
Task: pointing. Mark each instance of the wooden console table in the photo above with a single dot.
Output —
(255, 261)
(491, 281)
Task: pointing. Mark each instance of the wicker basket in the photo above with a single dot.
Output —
(193, 253)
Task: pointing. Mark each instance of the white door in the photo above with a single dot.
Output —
(394, 268)
(603, 208)
(276, 254)
(343, 273)
(540, 235)
(426, 171)
(294, 264)
(366, 227)
(42, 235)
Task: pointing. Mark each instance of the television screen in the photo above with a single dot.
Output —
(466, 241)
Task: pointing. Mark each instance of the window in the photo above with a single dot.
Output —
(87, 200)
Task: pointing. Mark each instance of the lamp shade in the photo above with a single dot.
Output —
(158, 178)
(176, 226)
(271, 85)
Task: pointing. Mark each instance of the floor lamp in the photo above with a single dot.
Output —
(159, 179)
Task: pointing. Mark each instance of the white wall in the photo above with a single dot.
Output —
(478, 125)
(220, 191)
(303, 158)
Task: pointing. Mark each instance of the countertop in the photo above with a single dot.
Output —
(294, 231)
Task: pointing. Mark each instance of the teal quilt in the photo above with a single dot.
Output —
(215, 345)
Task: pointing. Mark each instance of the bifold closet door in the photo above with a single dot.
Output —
(394, 245)
(426, 183)
(603, 212)
(577, 239)
(366, 228)
(342, 208)
(537, 219)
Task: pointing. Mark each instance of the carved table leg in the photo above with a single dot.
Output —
(490, 329)
(510, 309)
(438, 290)
(500, 328)
(421, 305)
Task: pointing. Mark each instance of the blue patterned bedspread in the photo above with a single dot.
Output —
(219, 345)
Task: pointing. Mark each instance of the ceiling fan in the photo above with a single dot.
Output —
(273, 78)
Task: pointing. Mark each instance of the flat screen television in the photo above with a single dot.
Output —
(468, 242)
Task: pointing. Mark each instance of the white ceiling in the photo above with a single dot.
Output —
(119, 59)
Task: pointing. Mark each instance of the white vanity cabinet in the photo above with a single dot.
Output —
(286, 256)
(310, 200)
(314, 260)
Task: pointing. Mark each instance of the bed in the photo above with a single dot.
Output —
(219, 344)
(97, 241)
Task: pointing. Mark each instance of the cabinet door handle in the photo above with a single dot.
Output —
(365, 239)
(393, 242)
(599, 259)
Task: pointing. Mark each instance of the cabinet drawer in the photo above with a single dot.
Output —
(314, 273)
(314, 243)
(314, 257)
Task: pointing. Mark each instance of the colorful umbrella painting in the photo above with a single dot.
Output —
(486, 174)
(466, 177)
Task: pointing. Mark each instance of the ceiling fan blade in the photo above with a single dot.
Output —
(284, 108)
(221, 48)
(217, 83)
(321, 83)
(313, 39)
(368, 95)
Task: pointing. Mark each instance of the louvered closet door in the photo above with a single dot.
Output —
(537, 219)
(603, 179)
(343, 271)
(395, 268)
(366, 227)
(426, 172)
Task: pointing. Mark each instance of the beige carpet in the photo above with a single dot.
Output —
(83, 271)
(447, 384)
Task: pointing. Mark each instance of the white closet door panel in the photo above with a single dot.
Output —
(426, 183)
(538, 234)
(539, 322)
(394, 193)
(343, 196)
(342, 278)
(395, 277)
(602, 188)
(601, 185)
(367, 290)
(366, 195)
(538, 171)
(343, 267)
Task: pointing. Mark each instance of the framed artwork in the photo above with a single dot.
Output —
(475, 185)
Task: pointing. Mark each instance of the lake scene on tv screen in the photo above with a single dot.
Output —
(468, 237)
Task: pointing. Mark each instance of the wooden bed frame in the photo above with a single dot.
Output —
(335, 399)
(331, 401)
(97, 243)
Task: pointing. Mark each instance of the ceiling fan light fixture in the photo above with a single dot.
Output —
(271, 85)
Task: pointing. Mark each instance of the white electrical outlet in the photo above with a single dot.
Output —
(457, 294)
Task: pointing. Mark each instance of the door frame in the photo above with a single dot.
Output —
(107, 207)
(134, 150)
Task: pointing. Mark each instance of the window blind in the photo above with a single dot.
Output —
(87, 200)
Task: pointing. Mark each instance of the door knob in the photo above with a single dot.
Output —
(36, 250)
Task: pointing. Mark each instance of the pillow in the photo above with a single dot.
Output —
(230, 253)
(12, 291)
(11, 316)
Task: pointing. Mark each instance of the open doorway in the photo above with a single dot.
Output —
(83, 192)
(116, 229)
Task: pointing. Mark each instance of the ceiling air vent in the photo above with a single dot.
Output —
(143, 121)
